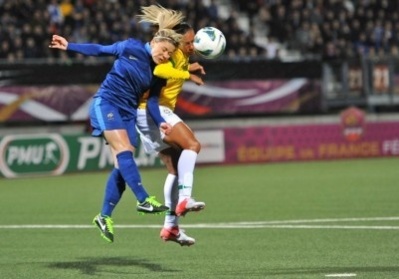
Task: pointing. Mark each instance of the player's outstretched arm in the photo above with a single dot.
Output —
(58, 42)
(196, 67)
(167, 71)
(196, 79)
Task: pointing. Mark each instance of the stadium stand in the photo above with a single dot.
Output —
(269, 29)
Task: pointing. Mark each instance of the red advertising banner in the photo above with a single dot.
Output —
(350, 137)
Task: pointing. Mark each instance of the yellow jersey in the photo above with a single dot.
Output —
(175, 71)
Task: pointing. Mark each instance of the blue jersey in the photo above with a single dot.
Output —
(131, 73)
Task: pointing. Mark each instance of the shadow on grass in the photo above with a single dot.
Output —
(93, 266)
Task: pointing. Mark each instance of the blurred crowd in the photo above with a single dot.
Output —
(316, 29)
(329, 29)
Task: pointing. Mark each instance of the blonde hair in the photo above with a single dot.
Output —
(168, 35)
(160, 16)
(165, 19)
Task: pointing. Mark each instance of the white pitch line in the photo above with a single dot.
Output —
(239, 226)
(288, 224)
(47, 226)
(341, 275)
(319, 221)
(205, 226)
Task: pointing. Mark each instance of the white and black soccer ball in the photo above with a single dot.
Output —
(209, 42)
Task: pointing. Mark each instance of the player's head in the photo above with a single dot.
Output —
(187, 41)
(163, 44)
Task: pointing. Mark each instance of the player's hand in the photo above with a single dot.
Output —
(196, 67)
(198, 80)
(165, 128)
(58, 42)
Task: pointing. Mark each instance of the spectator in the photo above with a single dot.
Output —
(56, 17)
(67, 11)
(310, 26)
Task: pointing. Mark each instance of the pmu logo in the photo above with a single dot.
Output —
(42, 154)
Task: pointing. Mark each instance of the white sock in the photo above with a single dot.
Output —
(185, 169)
(170, 195)
(168, 188)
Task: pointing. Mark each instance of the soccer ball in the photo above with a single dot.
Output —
(209, 42)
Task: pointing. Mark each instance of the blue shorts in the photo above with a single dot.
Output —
(105, 116)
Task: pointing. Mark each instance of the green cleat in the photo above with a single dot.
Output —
(151, 205)
(105, 225)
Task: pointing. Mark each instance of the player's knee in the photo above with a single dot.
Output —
(121, 147)
(168, 162)
(195, 146)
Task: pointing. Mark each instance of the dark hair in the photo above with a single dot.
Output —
(182, 28)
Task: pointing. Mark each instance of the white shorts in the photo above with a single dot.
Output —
(150, 134)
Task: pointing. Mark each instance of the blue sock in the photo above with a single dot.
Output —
(130, 173)
(113, 192)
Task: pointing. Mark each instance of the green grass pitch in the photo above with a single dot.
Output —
(337, 219)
